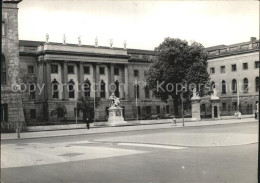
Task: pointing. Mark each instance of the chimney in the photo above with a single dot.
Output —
(252, 39)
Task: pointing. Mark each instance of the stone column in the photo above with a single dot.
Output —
(48, 80)
(126, 82)
(112, 75)
(97, 80)
(195, 108)
(65, 80)
(80, 79)
(40, 76)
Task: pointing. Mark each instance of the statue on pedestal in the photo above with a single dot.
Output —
(111, 43)
(79, 40)
(214, 95)
(114, 100)
(195, 94)
(47, 38)
(124, 44)
(64, 39)
(96, 42)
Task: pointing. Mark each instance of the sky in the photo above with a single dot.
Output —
(143, 24)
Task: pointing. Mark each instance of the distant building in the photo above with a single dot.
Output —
(235, 71)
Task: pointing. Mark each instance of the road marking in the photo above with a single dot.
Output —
(152, 145)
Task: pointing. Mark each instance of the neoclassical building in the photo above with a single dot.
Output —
(93, 71)
(51, 74)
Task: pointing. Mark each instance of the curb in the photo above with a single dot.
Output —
(63, 135)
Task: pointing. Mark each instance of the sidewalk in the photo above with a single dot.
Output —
(97, 130)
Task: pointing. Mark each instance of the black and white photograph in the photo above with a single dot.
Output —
(129, 91)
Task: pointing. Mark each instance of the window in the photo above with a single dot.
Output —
(116, 71)
(234, 106)
(139, 110)
(101, 70)
(256, 64)
(102, 89)
(87, 88)
(222, 69)
(147, 92)
(4, 112)
(167, 109)
(224, 87)
(117, 89)
(55, 88)
(148, 110)
(3, 28)
(158, 110)
(71, 89)
(70, 69)
(3, 70)
(33, 113)
(203, 107)
(32, 91)
(86, 69)
(257, 84)
(245, 66)
(31, 69)
(136, 91)
(54, 69)
(233, 67)
(234, 86)
(212, 70)
(224, 106)
(136, 73)
(245, 85)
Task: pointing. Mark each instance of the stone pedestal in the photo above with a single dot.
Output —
(116, 117)
(215, 112)
(195, 108)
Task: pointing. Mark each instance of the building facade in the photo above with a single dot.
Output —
(52, 74)
(234, 70)
(103, 69)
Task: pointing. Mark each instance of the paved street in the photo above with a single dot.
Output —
(218, 153)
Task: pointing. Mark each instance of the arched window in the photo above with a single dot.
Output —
(234, 86)
(147, 92)
(87, 88)
(102, 89)
(224, 90)
(32, 88)
(117, 89)
(257, 84)
(71, 89)
(213, 85)
(3, 70)
(55, 88)
(136, 91)
(245, 85)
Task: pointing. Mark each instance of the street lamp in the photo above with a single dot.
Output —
(182, 109)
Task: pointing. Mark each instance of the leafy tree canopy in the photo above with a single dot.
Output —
(177, 64)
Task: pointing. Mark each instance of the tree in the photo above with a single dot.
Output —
(175, 65)
(86, 106)
(60, 110)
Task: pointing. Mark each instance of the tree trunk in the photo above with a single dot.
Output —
(176, 105)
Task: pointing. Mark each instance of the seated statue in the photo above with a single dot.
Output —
(114, 100)
(195, 94)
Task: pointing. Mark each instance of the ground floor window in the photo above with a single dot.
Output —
(32, 113)
(148, 110)
(158, 109)
(167, 109)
